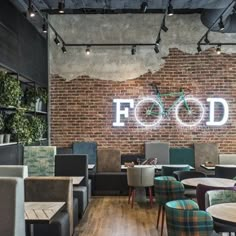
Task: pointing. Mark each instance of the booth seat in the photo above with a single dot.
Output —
(14, 171)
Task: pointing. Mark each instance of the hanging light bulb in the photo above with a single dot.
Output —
(218, 49)
(87, 50)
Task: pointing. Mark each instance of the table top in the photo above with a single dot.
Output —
(213, 167)
(158, 167)
(214, 182)
(225, 212)
(77, 179)
(41, 212)
(91, 166)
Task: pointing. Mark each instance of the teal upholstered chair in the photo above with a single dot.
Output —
(183, 218)
(221, 196)
(167, 188)
(169, 170)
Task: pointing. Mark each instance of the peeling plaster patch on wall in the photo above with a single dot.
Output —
(117, 63)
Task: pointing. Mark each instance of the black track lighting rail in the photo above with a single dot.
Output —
(216, 44)
(217, 20)
(107, 44)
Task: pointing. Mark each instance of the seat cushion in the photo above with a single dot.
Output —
(80, 192)
(58, 227)
(75, 211)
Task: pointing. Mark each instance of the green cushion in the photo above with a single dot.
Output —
(182, 156)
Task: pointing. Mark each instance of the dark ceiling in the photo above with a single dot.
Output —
(116, 7)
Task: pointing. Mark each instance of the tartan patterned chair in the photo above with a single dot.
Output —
(167, 188)
(184, 218)
(221, 196)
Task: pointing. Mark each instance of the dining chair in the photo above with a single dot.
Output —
(189, 192)
(12, 221)
(140, 177)
(52, 189)
(169, 170)
(217, 197)
(225, 172)
(183, 218)
(201, 192)
(166, 189)
(75, 165)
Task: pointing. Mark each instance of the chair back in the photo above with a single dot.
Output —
(227, 159)
(140, 176)
(14, 171)
(183, 218)
(168, 189)
(72, 165)
(225, 172)
(219, 196)
(180, 174)
(51, 189)
(201, 191)
(168, 170)
(12, 221)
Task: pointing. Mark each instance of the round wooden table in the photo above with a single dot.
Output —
(224, 212)
(214, 182)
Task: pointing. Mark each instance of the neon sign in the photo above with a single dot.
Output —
(123, 107)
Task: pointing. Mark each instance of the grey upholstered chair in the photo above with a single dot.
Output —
(14, 171)
(52, 189)
(12, 221)
(140, 177)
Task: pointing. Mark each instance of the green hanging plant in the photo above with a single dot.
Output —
(1, 124)
(10, 90)
(42, 94)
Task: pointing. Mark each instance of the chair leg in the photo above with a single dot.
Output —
(133, 197)
(162, 223)
(150, 196)
(130, 191)
(158, 215)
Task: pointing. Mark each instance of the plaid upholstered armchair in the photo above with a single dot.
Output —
(184, 218)
(167, 188)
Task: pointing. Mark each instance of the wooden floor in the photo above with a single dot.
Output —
(112, 216)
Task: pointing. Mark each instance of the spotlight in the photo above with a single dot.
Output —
(56, 40)
(218, 49)
(61, 6)
(206, 39)
(133, 50)
(164, 28)
(158, 40)
(63, 48)
(31, 10)
(221, 24)
(144, 6)
(44, 27)
(156, 48)
(199, 48)
(170, 10)
(87, 50)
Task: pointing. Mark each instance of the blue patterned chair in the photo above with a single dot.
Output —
(183, 218)
(166, 188)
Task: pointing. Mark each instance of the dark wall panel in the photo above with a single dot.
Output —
(22, 48)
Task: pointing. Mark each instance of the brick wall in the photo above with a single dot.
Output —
(82, 109)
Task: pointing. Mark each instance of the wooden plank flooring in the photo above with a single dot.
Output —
(113, 216)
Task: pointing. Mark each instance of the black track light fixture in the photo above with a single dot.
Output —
(221, 24)
(133, 50)
(158, 40)
(63, 48)
(87, 50)
(44, 27)
(218, 49)
(56, 40)
(199, 49)
(31, 9)
(164, 28)
(144, 6)
(170, 9)
(156, 48)
(206, 39)
(61, 7)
